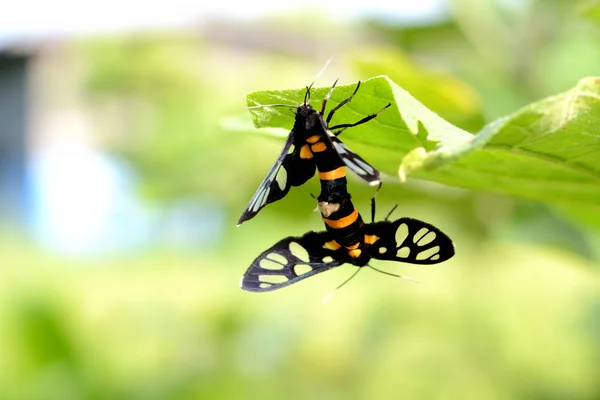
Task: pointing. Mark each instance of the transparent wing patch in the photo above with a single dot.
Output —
(354, 162)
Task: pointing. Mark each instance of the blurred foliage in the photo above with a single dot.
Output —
(451, 98)
(512, 52)
(515, 315)
(501, 321)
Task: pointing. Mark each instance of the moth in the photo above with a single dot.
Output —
(297, 162)
(346, 240)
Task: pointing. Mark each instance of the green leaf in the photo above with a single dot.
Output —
(393, 134)
(548, 151)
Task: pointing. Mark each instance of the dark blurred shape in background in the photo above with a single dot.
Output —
(13, 137)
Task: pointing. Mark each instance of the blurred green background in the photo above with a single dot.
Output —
(120, 281)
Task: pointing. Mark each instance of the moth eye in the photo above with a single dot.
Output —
(428, 238)
(281, 178)
(420, 234)
(401, 234)
(327, 259)
(382, 250)
(299, 251)
(404, 252)
(426, 254)
(302, 269)
(272, 278)
(277, 258)
(270, 264)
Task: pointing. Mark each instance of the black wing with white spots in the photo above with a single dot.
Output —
(290, 260)
(289, 170)
(409, 240)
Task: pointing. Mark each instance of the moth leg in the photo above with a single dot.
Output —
(362, 121)
(345, 101)
(373, 202)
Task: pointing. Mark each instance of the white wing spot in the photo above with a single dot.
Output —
(301, 269)
(435, 257)
(404, 252)
(281, 178)
(428, 238)
(260, 200)
(277, 258)
(291, 150)
(354, 167)
(327, 259)
(401, 234)
(299, 251)
(263, 198)
(273, 278)
(256, 199)
(340, 148)
(272, 175)
(424, 255)
(382, 250)
(419, 235)
(270, 264)
(364, 165)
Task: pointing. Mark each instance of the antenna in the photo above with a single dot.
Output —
(326, 298)
(327, 96)
(322, 70)
(390, 213)
(307, 95)
(394, 275)
(270, 105)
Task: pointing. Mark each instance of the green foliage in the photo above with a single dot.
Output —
(450, 97)
(161, 113)
(547, 151)
(176, 326)
(513, 315)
